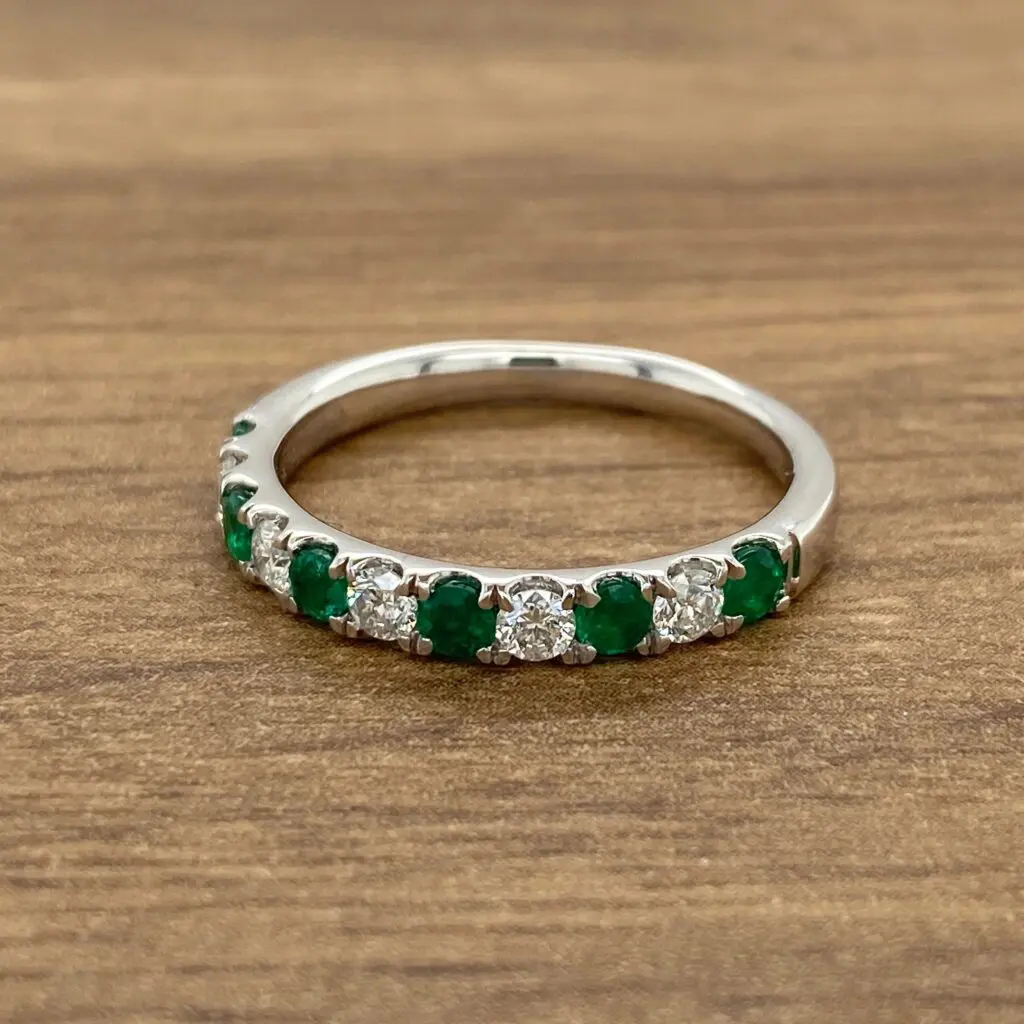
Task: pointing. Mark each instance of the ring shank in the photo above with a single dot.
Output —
(357, 410)
(309, 413)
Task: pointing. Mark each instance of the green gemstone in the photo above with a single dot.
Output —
(243, 427)
(452, 619)
(237, 536)
(314, 592)
(757, 594)
(619, 621)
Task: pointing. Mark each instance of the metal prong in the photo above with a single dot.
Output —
(338, 569)
(238, 477)
(663, 588)
(416, 644)
(794, 581)
(344, 625)
(339, 624)
(287, 602)
(726, 626)
(579, 654)
(421, 588)
(647, 589)
(583, 594)
(248, 570)
(653, 644)
(794, 540)
(504, 601)
(785, 549)
(404, 588)
(254, 511)
(488, 597)
(723, 572)
(735, 570)
(493, 656)
(783, 604)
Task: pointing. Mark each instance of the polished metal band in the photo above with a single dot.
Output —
(388, 594)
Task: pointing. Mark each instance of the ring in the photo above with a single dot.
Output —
(492, 615)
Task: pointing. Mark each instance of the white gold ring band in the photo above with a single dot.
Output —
(495, 615)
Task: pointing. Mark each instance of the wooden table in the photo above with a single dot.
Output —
(211, 812)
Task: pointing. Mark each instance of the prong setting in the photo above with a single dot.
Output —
(726, 626)
(579, 654)
(653, 644)
(416, 644)
(734, 570)
(379, 601)
(535, 619)
(585, 595)
(493, 655)
(694, 603)
(248, 570)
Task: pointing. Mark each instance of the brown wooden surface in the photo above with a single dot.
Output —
(211, 812)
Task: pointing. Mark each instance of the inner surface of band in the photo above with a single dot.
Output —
(335, 417)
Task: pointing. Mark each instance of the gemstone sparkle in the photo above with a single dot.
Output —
(695, 608)
(272, 563)
(374, 606)
(536, 627)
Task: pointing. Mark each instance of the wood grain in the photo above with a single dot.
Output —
(211, 812)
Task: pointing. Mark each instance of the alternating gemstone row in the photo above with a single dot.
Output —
(532, 618)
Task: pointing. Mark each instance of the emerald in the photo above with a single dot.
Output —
(243, 427)
(757, 594)
(237, 536)
(619, 621)
(453, 621)
(314, 592)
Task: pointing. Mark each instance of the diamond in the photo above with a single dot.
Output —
(695, 608)
(272, 563)
(537, 626)
(373, 605)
